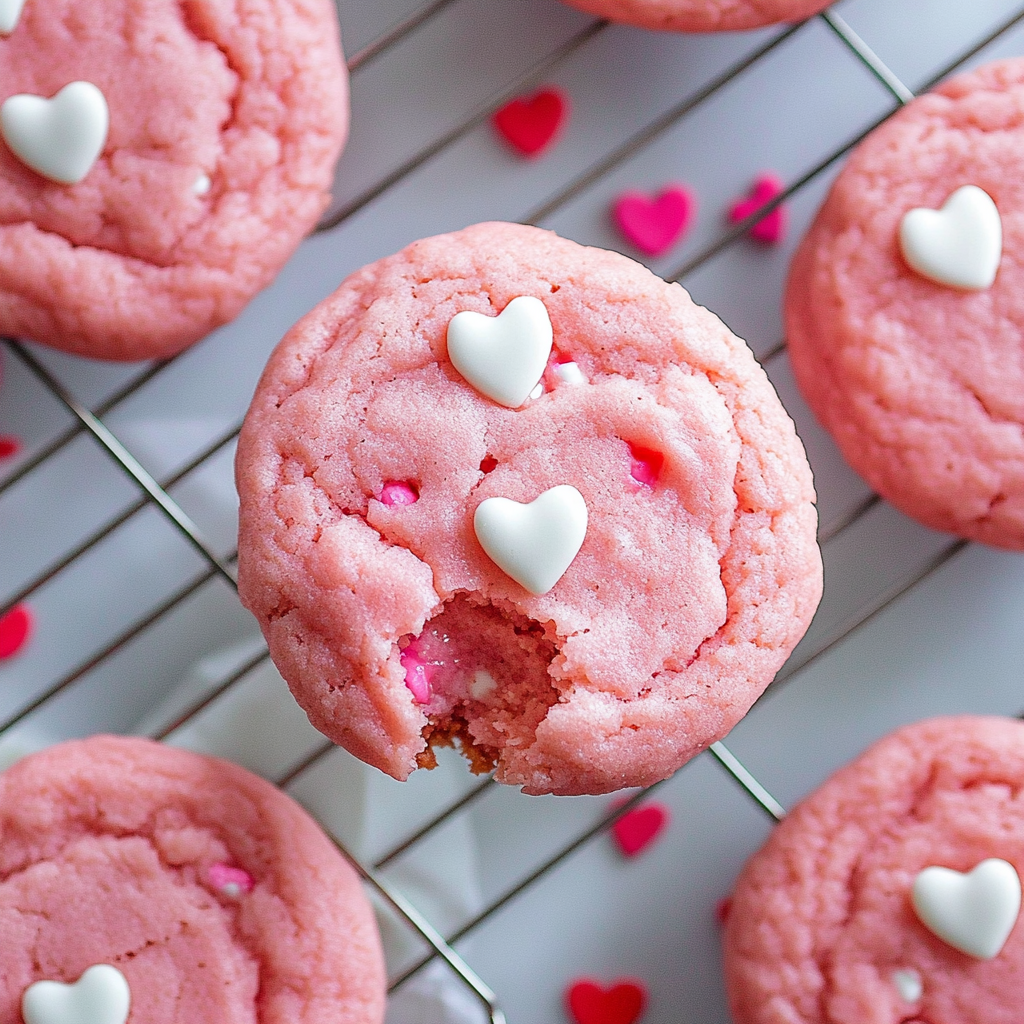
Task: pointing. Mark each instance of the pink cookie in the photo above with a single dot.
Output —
(215, 896)
(225, 120)
(609, 632)
(702, 15)
(892, 893)
(919, 373)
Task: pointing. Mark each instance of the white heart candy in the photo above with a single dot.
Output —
(10, 12)
(100, 996)
(502, 356)
(959, 245)
(533, 543)
(974, 913)
(59, 138)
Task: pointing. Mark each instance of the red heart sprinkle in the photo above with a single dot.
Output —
(638, 828)
(531, 123)
(15, 627)
(623, 1003)
(9, 445)
(770, 229)
(654, 225)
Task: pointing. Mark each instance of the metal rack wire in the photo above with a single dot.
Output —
(154, 493)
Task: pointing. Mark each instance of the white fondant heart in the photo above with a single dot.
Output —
(10, 12)
(502, 356)
(959, 245)
(973, 912)
(59, 138)
(533, 543)
(100, 996)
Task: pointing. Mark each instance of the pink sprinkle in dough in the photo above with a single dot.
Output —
(232, 882)
(141, 259)
(397, 494)
(110, 852)
(687, 594)
(922, 385)
(702, 15)
(821, 920)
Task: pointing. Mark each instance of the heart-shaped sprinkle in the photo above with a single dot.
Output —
(230, 881)
(973, 912)
(638, 828)
(502, 356)
(60, 138)
(960, 245)
(622, 1003)
(533, 543)
(771, 228)
(9, 446)
(531, 124)
(10, 12)
(909, 985)
(15, 628)
(100, 996)
(654, 225)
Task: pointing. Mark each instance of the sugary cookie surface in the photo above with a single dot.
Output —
(182, 886)
(904, 308)
(585, 588)
(159, 162)
(892, 893)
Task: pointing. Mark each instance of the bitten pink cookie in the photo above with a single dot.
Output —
(893, 892)
(701, 15)
(505, 489)
(159, 162)
(905, 307)
(148, 884)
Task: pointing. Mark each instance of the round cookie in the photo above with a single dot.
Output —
(205, 134)
(701, 15)
(214, 896)
(828, 920)
(664, 569)
(919, 374)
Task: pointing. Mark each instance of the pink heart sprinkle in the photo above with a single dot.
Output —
(417, 676)
(638, 828)
(654, 225)
(396, 492)
(15, 629)
(231, 882)
(770, 229)
(9, 445)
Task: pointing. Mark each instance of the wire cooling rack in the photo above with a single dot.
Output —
(117, 518)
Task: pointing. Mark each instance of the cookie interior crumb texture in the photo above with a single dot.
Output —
(698, 574)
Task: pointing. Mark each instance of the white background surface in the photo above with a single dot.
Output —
(912, 624)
